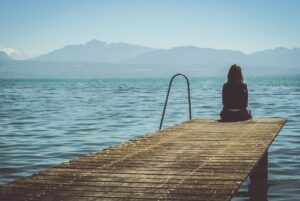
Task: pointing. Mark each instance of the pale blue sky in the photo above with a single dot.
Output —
(39, 26)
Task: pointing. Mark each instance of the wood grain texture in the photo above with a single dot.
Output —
(201, 159)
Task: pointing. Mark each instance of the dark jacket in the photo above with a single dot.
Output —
(235, 102)
(235, 95)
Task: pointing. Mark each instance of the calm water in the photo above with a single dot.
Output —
(46, 122)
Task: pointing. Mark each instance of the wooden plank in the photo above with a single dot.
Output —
(201, 159)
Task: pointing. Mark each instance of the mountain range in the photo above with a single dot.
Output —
(11, 54)
(124, 53)
(96, 51)
(4, 56)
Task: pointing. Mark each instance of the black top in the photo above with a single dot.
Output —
(235, 95)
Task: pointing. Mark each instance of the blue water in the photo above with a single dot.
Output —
(46, 122)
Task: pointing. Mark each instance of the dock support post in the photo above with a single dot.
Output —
(258, 189)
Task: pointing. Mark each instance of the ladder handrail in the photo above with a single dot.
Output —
(166, 101)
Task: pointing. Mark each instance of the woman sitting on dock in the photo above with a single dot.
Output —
(235, 97)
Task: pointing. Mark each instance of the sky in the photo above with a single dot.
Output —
(40, 26)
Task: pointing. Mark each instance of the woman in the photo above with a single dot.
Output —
(235, 97)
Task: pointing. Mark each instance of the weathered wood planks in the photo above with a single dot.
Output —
(202, 159)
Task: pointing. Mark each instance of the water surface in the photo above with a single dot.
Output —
(46, 122)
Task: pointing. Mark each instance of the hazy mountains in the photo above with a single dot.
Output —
(96, 51)
(97, 59)
(279, 57)
(123, 53)
(11, 53)
(189, 55)
(4, 56)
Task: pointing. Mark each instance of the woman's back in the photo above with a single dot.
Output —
(235, 97)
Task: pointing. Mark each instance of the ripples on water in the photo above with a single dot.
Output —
(46, 122)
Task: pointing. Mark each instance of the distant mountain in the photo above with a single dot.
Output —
(13, 53)
(123, 53)
(279, 57)
(96, 51)
(4, 56)
(190, 55)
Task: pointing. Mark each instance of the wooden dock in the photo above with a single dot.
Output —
(201, 159)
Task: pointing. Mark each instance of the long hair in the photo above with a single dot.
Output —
(235, 74)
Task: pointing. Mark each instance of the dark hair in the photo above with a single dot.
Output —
(235, 74)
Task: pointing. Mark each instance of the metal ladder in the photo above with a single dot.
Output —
(166, 102)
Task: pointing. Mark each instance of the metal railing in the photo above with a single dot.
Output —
(166, 102)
